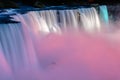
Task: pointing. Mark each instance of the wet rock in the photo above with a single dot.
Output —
(1, 5)
(8, 4)
(38, 4)
(28, 2)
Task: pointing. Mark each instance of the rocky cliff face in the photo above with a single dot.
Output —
(42, 3)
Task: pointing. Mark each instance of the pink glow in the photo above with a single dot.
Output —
(77, 56)
(70, 56)
(42, 48)
(5, 70)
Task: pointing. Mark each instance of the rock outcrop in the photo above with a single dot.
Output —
(43, 3)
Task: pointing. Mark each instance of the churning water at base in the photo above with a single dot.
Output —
(41, 47)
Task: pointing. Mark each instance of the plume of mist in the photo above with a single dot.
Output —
(71, 56)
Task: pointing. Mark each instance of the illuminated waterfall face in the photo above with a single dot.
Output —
(35, 49)
(61, 20)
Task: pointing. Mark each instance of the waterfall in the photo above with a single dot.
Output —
(104, 15)
(22, 50)
(86, 19)
(18, 41)
(16, 45)
(90, 19)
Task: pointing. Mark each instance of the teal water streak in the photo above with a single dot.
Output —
(104, 14)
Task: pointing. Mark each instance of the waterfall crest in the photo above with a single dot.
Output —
(87, 19)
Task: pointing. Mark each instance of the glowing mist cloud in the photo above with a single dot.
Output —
(80, 57)
(74, 56)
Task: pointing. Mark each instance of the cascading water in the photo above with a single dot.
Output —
(30, 50)
(60, 20)
(104, 14)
